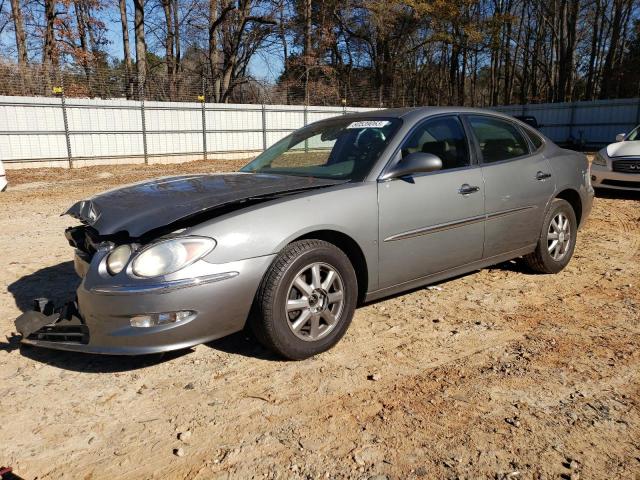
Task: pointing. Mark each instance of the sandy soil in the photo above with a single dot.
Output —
(497, 374)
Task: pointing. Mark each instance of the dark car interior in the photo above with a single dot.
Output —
(443, 138)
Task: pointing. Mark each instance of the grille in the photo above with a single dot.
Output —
(631, 165)
(62, 333)
(621, 183)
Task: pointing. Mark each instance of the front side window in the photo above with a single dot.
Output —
(499, 139)
(443, 137)
(344, 149)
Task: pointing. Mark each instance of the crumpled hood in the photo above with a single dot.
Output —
(624, 149)
(141, 207)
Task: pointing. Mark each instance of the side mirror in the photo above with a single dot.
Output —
(417, 162)
(620, 137)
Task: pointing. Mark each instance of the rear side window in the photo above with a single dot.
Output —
(535, 138)
(499, 139)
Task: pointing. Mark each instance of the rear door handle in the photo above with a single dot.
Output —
(466, 189)
(542, 175)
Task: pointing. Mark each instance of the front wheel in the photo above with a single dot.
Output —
(306, 300)
(557, 239)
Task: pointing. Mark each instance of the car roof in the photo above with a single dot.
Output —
(411, 113)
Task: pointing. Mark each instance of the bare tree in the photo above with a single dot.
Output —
(50, 53)
(141, 44)
(369, 52)
(307, 55)
(18, 27)
(126, 48)
(167, 6)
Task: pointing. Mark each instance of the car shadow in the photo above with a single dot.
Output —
(516, 265)
(93, 363)
(57, 282)
(245, 344)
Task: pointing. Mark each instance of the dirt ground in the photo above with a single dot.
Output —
(496, 374)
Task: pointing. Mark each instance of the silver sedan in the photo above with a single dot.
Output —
(341, 212)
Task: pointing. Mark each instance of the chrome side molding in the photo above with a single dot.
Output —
(455, 224)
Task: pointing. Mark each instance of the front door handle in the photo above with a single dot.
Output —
(542, 175)
(466, 189)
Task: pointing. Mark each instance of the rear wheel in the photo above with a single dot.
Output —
(306, 300)
(557, 239)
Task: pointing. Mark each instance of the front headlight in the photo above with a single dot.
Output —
(118, 258)
(599, 159)
(169, 256)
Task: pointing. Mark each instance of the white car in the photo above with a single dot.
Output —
(618, 165)
(3, 178)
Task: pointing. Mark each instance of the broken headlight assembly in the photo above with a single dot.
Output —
(169, 256)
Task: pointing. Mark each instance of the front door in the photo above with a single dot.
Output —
(432, 222)
(518, 184)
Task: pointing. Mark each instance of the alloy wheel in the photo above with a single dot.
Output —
(315, 301)
(559, 237)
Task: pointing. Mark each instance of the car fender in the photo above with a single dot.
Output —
(571, 172)
(266, 228)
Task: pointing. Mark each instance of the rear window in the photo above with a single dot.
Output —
(535, 138)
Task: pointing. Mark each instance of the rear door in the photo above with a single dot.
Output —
(518, 183)
(434, 221)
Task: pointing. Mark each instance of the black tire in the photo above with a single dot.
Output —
(270, 321)
(541, 259)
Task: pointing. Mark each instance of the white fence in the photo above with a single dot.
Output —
(56, 132)
(39, 131)
(586, 124)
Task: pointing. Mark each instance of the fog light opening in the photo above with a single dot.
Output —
(162, 318)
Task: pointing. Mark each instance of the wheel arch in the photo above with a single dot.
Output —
(573, 198)
(353, 251)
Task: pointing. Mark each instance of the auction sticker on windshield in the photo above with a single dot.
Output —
(369, 124)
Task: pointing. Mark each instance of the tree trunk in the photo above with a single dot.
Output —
(169, 41)
(607, 70)
(18, 26)
(126, 49)
(593, 55)
(232, 50)
(141, 44)
(282, 36)
(214, 56)
(567, 20)
(176, 35)
(82, 36)
(307, 48)
(50, 54)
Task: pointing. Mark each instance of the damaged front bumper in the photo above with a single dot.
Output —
(45, 323)
(218, 296)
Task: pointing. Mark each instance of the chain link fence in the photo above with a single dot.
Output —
(187, 85)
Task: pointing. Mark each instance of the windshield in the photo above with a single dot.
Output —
(634, 135)
(342, 149)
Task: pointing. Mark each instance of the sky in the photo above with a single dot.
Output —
(265, 65)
